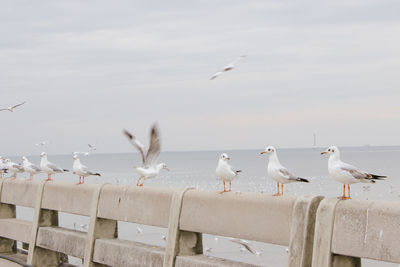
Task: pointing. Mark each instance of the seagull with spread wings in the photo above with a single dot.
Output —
(278, 172)
(345, 173)
(149, 168)
(49, 167)
(228, 67)
(11, 109)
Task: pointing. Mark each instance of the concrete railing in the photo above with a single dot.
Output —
(187, 214)
(347, 231)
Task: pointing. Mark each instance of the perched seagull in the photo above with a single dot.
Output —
(14, 168)
(11, 109)
(92, 147)
(279, 173)
(82, 170)
(345, 173)
(30, 168)
(149, 168)
(3, 167)
(49, 167)
(229, 67)
(225, 172)
(243, 243)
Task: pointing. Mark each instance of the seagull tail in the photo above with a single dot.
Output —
(238, 171)
(299, 179)
(65, 170)
(98, 174)
(378, 177)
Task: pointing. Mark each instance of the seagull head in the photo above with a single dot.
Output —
(269, 150)
(164, 166)
(43, 155)
(75, 157)
(224, 157)
(332, 150)
(24, 158)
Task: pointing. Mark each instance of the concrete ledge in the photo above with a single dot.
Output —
(16, 229)
(57, 196)
(252, 216)
(206, 261)
(367, 229)
(117, 252)
(19, 192)
(62, 240)
(145, 205)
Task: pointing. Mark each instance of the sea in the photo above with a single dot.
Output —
(197, 169)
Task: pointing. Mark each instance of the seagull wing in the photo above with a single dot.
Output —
(3, 109)
(20, 104)
(216, 75)
(136, 143)
(235, 61)
(154, 148)
(285, 173)
(54, 167)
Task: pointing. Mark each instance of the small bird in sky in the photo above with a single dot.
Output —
(43, 143)
(226, 172)
(11, 109)
(92, 147)
(228, 67)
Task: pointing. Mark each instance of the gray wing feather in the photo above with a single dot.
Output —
(357, 174)
(155, 147)
(54, 167)
(20, 104)
(285, 172)
(36, 168)
(136, 144)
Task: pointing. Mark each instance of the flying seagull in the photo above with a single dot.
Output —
(92, 147)
(345, 173)
(48, 167)
(279, 173)
(149, 168)
(82, 170)
(11, 109)
(228, 67)
(225, 172)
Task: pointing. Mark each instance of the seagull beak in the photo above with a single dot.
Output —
(323, 153)
(228, 158)
(263, 152)
(166, 169)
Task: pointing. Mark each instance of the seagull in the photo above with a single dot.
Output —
(279, 173)
(228, 67)
(11, 109)
(3, 167)
(49, 167)
(82, 153)
(30, 168)
(13, 167)
(345, 173)
(225, 172)
(149, 168)
(41, 143)
(92, 147)
(243, 243)
(82, 170)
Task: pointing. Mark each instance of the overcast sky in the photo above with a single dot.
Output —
(87, 69)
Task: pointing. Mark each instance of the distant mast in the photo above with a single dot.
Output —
(315, 141)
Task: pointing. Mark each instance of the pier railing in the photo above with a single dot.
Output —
(345, 231)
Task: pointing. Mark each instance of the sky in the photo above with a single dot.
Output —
(88, 69)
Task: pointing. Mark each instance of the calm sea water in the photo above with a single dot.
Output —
(197, 169)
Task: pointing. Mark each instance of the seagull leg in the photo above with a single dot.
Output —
(224, 189)
(344, 192)
(282, 190)
(348, 188)
(277, 194)
(79, 180)
(144, 179)
(230, 186)
(49, 177)
(138, 182)
(14, 177)
(30, 178)
(83, 179)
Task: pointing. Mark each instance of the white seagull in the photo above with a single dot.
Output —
(92, 148)
(279, 173)
(228, 67)
(3, 167)
(11, 109)
(82, 170)
(345, 173)
(49, 167)
(14, 168)
(43, 143)
(30, 168)
(149, 168)
(225, 172)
